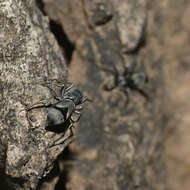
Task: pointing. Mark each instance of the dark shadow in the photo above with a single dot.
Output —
(40, 5)
(3, 184)
(8, 183)
(63, 178)
(59, 33)
(54, 172)
(142, 43)
(60, 128)
(66, 156)
(62, 39)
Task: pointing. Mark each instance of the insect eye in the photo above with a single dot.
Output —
(68, 96)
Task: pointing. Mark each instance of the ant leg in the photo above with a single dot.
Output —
(54, 93)
(37, 105)
(143, 93)
(114, 72)
(115, 69)
(64, 90)
(107, 70)
(109, 88)
(78, 108)
(77, 112)
(65, 140)
(47, 84)
(78, 118)
(127, 96)
(27, 109)
(86, 99)
(69, 87)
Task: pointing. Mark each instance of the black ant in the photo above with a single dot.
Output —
(64, 111)
(128, 79)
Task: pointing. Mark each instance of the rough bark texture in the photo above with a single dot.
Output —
(169, 37)
(30, 65)
(120, 145)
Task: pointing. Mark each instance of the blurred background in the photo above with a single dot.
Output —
(143, 144)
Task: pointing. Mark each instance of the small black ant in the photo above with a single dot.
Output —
(128, 79)
(63, 112)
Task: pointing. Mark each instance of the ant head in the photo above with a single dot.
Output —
(76, 96)
(122, 80)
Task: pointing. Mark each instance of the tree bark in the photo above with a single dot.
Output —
(120, 145)
(31, 65)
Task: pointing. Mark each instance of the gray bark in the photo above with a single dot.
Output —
(119, 144)
(31, 64)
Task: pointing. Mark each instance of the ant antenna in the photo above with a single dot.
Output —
(66, 89)
(86, 99)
